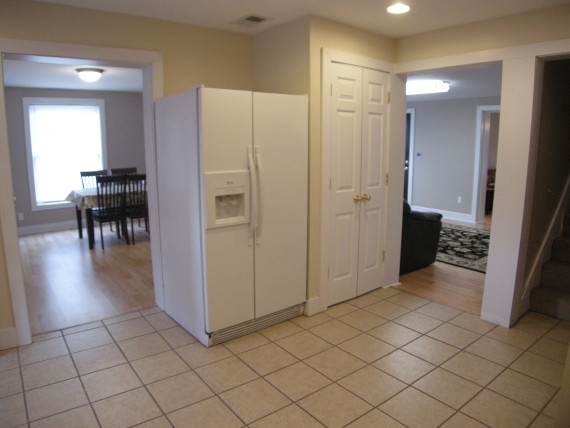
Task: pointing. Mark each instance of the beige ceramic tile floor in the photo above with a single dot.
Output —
(387, 359)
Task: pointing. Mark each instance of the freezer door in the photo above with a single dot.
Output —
(281, 154)
(226, 133)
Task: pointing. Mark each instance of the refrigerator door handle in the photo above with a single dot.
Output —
(253, 193)
(259, 214)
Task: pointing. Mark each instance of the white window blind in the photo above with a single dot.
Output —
(64, 138)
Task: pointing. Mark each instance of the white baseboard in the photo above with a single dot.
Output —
(392, 285)
(8, 338)
(495, 319)
(448, 215)
(47, 227)
(313, 306)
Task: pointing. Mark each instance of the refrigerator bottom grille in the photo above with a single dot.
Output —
(255, 325)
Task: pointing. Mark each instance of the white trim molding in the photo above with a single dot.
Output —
(151, 64)
(46, 227)
(447, 215)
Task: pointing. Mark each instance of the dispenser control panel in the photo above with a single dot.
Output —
(227, 198)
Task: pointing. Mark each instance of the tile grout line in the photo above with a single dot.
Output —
(20, 369)
(360, 332)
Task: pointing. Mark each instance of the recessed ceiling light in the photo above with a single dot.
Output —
(419, 87)
(90, 75)
(398, 8)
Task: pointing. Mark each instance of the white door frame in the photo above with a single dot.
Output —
(151, 65)
(481, 161)
(412, 113)
(329, 56)
(503, 282)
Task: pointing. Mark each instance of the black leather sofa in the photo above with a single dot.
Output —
(420, 238)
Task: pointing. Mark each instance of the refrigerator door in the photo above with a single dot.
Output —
(226, 133)
(281, 154)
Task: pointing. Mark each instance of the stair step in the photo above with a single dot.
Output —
(561, 249)
(552, 302)
(556, 275)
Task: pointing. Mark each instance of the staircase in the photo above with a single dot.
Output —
(552, 297)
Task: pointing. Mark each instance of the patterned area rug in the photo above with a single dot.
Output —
(464, 247)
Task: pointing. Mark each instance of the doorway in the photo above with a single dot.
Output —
(409, 160)
(151, 65)
(488, 118)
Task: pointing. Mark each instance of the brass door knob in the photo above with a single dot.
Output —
(366, 197)
(356, 198)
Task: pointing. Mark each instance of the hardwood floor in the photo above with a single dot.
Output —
(66, 284)
(446, 284)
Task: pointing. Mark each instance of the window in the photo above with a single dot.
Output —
(63, 137)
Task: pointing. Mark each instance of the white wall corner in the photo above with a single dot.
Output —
(8, 338)
(314, 306)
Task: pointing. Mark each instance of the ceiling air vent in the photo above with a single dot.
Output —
(250, 21)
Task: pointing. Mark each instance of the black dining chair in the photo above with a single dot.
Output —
(111, 204)
(87, 182)
(136, 205)
(129, 170)
(88, 178)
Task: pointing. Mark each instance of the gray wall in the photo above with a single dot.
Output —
(444, 153)
(125, 143)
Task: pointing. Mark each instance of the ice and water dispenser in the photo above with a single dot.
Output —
(227, 198)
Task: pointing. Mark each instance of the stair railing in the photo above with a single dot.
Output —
(548, 238)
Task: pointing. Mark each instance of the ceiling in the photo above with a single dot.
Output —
(369, 15)
(28, 71)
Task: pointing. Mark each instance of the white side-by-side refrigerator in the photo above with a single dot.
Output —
(233, 186)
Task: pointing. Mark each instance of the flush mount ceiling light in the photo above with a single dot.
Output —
(398, 8)
(89, 75)
(419, 87)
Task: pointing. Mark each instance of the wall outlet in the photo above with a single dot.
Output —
(20, 216)
(459, 199)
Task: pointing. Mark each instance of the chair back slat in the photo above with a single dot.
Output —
(88, 178)
(119, 171)
(136, 190)
(111, 195)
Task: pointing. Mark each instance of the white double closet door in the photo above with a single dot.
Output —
(358, 181)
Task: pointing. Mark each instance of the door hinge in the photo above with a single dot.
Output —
(389, 97)
(387, 179)
(383, 256)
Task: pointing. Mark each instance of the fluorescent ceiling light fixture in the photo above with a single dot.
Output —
(419, 87)
(89, 75)
(398, 8)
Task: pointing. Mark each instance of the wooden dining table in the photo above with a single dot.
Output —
(85, 200)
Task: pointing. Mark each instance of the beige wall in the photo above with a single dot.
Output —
(192, 55)
(281, 59)
(541, 26)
